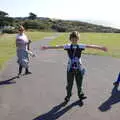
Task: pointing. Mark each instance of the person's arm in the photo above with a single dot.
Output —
(52, 47)
(28, 44)
(97, 47)
(16, 43)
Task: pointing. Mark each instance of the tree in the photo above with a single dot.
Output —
(32, 16)
(5, 20)
(3, 14)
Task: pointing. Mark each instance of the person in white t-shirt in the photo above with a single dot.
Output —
(74, 67)
(22, 46)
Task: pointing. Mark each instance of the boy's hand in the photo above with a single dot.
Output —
(33, 55)
(43, 47)
(104, 49)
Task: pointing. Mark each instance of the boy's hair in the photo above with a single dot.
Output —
(74, 34)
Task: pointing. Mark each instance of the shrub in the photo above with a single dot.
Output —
(9, 30)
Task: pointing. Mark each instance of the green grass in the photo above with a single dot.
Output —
(110, 40)
(7, 44)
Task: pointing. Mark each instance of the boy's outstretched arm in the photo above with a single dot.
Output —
(97, 47)
(51, 47)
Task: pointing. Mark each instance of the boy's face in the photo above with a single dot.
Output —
(74, 40)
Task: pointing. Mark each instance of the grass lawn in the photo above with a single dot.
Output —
(7, 44)
(110, 40)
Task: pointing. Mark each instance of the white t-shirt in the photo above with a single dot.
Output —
(74, 53)
(67, 46)
(21, 41)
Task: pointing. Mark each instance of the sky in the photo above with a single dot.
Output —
(104, 12)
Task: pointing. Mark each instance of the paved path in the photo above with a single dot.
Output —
(39, 96)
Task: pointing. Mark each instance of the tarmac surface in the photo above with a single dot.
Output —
(39, 96)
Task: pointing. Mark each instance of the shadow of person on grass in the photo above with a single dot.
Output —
(9, 81)
(57, 111)
(113, 99)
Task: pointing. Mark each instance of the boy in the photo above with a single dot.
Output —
(74, 67)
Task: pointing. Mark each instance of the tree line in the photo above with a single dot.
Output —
(33, 22)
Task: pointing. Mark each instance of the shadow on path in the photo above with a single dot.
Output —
(57, 111)
(113, 99)
(9, 81)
